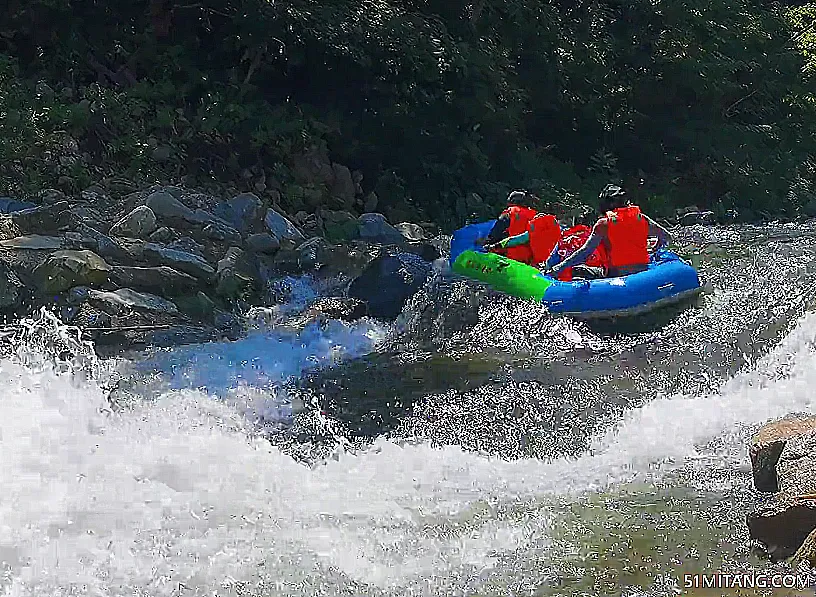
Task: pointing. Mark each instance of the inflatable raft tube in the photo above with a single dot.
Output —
(667, 281)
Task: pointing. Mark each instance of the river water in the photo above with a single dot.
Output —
(476, 447)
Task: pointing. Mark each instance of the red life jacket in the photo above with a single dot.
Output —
(520, 218)
(573, 239)
(545, 232)
(628, 234)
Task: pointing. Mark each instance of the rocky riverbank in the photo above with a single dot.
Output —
(168, 265)
(783, 459)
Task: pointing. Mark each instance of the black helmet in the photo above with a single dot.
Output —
(610, 197)
(524, 198)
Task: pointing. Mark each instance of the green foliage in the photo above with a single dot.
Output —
(443, 105)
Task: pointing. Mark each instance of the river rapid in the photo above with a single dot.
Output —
(475, 447)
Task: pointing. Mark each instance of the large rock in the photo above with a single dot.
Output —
(126, 298)
(103, 244)
(232, 279)
(166, 206)
(65, 269)
(281, 228)
(182, 261)
(9, 205)
(242, 211)
(806, 554)
(163, 280)
(412, 232)
(374, 228)
(12, 289)
(796, 469)
(34, 242)
(695, 218)
(388, 282)
(222, 233)
(339, 226)
(782, 524)
(262, 243)
(49, 218)
(767, 445)
(139, 223)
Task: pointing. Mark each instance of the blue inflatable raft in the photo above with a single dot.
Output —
(668, 280)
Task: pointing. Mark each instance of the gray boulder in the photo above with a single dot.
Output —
(166, 206)
(262, 243)
(182, 261)
(139, 223)
(9, 205)
(241, 211)
(374, 228)
(281, 228)
(163, 280)
(388, 282)
(48, 218)
(65, 269)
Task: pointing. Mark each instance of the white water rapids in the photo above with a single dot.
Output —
(177, 496)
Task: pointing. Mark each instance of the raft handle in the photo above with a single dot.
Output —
(666, 286)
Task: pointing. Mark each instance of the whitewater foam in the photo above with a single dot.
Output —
(180, 492)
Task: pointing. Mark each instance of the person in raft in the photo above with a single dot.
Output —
(522, 234)
(623, 231)
(514, 220)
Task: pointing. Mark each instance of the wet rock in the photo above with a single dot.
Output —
(412, 232)
(126, 298)
(163, 280)
(12, 290)
(9, 205)
(34, 242)
(231, 278)
(782, 524)
(339, 226)
(262, 243)
(166, 206)
(182, 261)
(162, 235)
(388, 282)
(327, 308)
(697, 218)
(65, 269)
(222, 233)
(342, 308)
(806, 554)
(281, 228)
(139, 223)
(242, 211)
(308, 256)
(199, 306)
(767, 445)
(49, 218)
(374, 228)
